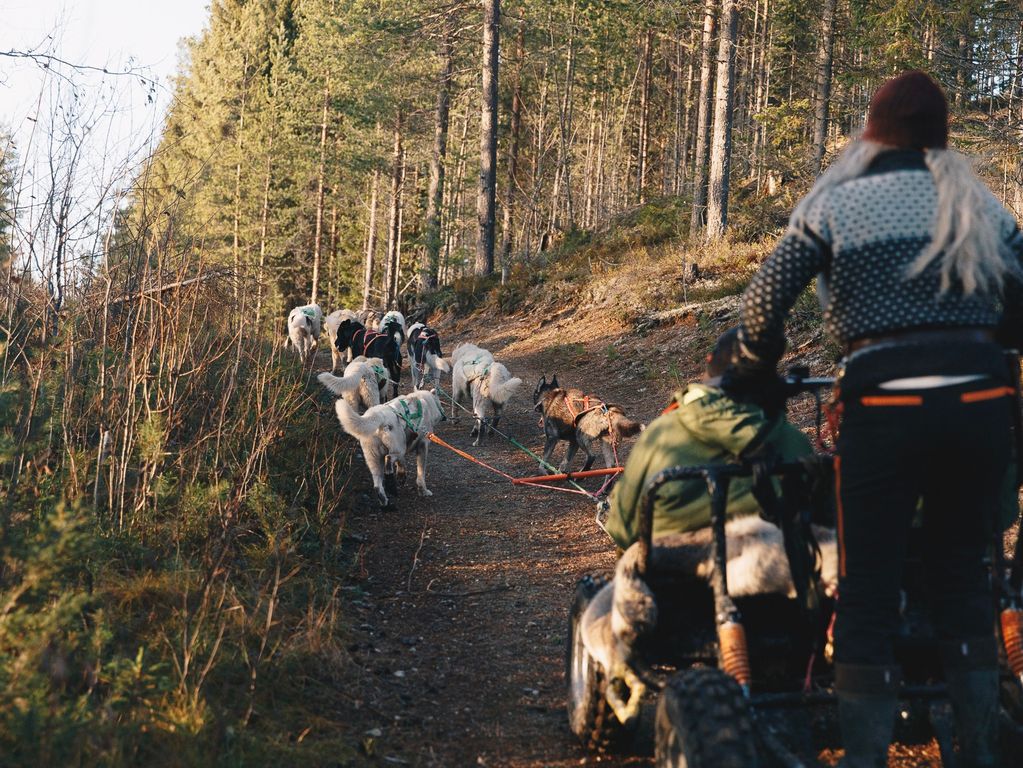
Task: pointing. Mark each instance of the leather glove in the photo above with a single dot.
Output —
(761, 386)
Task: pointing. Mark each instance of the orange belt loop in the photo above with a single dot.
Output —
(987, 394)
(891, 400)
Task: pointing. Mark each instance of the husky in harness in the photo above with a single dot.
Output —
(583, 421)
(476, 376)
(389, 431)
(363, 383)
(425, 355)
(353, 335)
(304, 326)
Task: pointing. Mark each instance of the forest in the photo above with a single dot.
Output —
(357, 152)
(192, 569)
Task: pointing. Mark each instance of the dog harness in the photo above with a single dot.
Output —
(381, 372)
(588, 404)
(475, 373)
(412, 420)
(311, 313)
(368, 337)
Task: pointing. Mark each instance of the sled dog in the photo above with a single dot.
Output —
(352, 335)
(361, 384)
(388, 431)
(425, 355)
(583, 421)
(393, 324)
(304, 325)
(477, 377)
(331, 324)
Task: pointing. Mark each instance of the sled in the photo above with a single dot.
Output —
(749, 681)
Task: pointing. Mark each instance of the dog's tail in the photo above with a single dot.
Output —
(502, 384)
(339, 385)
(623, 427)
(354, 424)
(438, 362)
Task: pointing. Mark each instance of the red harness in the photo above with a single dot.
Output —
(586, 401)
(368, 337)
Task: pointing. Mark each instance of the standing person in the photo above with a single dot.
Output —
(920, 283)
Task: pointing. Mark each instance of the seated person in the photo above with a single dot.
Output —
(702, 426)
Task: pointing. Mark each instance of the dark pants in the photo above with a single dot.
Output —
(951, 448)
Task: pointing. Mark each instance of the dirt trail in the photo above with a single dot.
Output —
(458, 622)
(457, 608)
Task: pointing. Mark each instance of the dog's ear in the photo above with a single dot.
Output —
(554, 381)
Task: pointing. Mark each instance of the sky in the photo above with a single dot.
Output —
(125, 112)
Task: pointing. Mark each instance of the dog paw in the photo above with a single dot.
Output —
(382, 498)
(425, 492)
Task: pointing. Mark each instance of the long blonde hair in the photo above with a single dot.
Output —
(965, 240)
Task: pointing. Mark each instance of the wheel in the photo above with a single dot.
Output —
(590, 717)
(704, 721)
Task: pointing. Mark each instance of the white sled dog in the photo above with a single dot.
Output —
(624, 610)
(360, 385)
(334, 319)
(425, 356)
(387, 432)
(304, 326)
(477, 377)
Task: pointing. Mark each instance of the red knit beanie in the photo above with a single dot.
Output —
(909, 111)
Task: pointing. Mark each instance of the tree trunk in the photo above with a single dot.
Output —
(395, 286)
(435, 195)
(964, 63)
(236, 225)
(513, 153)
(393, 222)
(590, 164)
(721, 142)
(644, 118)
(371, 241)
(264, 217)
(825, 56)
(485, 201)
(317, 242)
(702, 154)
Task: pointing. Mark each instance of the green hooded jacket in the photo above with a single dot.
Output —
(708, 427)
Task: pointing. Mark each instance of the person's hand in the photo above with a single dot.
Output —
(760, 385)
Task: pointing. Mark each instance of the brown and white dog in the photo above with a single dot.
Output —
(583, 421)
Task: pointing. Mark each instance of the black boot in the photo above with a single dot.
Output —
(971, 673)
(867, 697)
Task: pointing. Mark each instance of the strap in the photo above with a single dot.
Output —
(412, 420)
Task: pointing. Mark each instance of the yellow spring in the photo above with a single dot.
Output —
(734, 653)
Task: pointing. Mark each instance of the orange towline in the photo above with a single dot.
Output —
(434, 439)
(567, 476)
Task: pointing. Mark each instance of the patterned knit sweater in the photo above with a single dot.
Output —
(860, 238)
